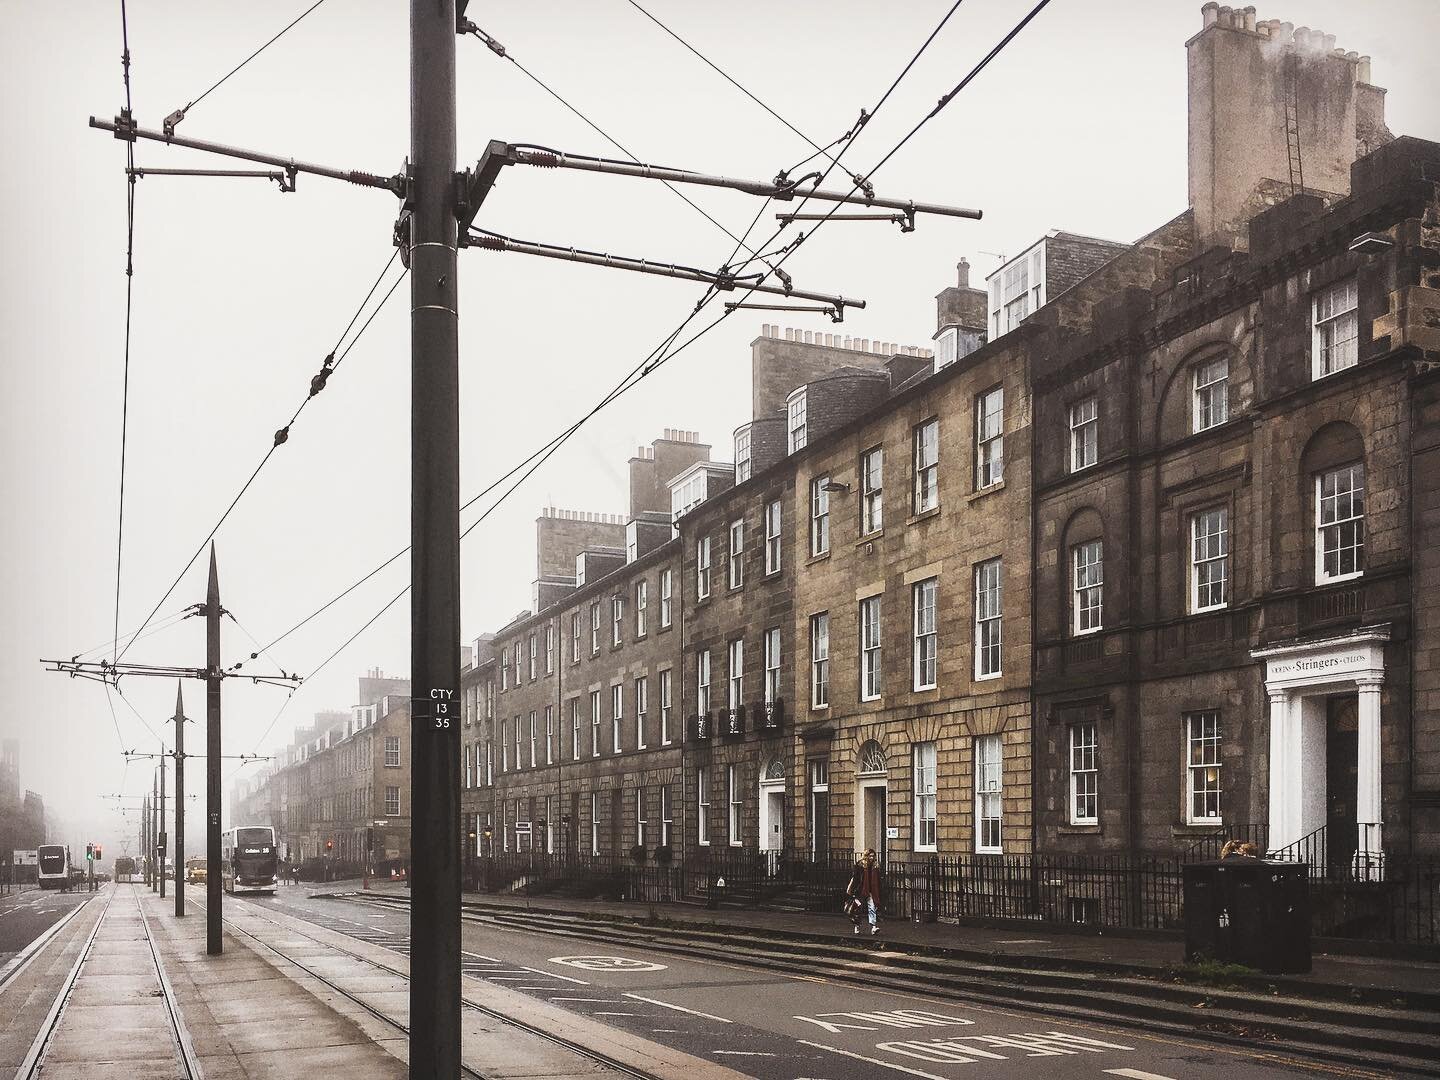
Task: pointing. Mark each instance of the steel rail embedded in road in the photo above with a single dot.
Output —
(548, 1036)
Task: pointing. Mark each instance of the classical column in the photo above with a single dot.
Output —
(1368, 853)
(1284, 821)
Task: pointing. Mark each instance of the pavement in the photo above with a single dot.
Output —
(1344, 976)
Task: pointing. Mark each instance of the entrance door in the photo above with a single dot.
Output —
(774, 802)
(871, 833)
(1342, 725)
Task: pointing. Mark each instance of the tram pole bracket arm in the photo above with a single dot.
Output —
(473, 185)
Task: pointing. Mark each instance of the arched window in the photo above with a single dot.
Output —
(775, 770)
(872, 759)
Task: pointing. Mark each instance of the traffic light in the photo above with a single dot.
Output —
(89, 852)
(98, 854)
(369, 838)
(329, 845)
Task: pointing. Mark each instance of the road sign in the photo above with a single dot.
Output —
(26, 858)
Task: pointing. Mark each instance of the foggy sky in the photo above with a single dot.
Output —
(239, 291)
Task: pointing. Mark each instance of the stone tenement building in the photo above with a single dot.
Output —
(1145, 552)
(347, 772)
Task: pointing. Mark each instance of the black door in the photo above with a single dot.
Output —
(1341, 776)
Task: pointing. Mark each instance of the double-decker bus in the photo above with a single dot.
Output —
(247, 859)
(54, 868)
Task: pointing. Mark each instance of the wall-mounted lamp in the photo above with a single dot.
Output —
(838, 487)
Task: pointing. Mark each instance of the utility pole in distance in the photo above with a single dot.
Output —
(214, 946)
(163, 838)
(179, 800)
(435, 547)
(155, 831)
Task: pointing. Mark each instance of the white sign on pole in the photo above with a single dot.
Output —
(27, 858)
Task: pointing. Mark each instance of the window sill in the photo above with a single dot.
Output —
(819, 708)
(878, 699)
(1196, 829)
(989, 851)
(1080, 828)
(980, 493)
(1209, 610)
(870, 538)
(770, 575)
(1322, 581)
(923, 515)
(664, 628)
(821, 557)
(926, 850)
(737, 588)
(991, 677)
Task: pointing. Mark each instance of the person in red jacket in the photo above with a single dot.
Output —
(864, 888)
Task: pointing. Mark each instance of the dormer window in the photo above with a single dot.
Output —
(947, 347)
(795, 409)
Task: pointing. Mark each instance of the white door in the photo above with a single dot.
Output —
(775, 826)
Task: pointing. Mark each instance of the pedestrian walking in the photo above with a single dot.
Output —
(864, 892)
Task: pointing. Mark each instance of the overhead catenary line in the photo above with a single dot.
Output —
(328, 367)
(501, 51)
(819, 150)
(179, 114)
(644, 368)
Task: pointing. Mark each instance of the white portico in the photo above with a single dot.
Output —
(1303, 680)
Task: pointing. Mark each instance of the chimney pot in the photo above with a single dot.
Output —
(962, 271)
(1287, 31)
(1225, 15)
(1208, 12)
(1328, 42)
(1249, 14)
(1364, 71)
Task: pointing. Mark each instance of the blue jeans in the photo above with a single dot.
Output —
(870, 909)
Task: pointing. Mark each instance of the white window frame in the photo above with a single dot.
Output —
(667, 814)
(595, 628)
(925, 439)
(872, 491)
(642, 708)
(667, 597)
(989, 619)
(489, 762)
(1210, 396)
(519, 742)
(702, 682)
(989, 794)
(617, 716)
(505, 669)
(1087, 587)
(392, 801)
(534, 656)
(735, 671)
(925, 762)
(820, 660)
(1335, 515)
(617, 620)
(990, 438)
(796, 427)
(642, 602)
(595, 717)
(1203, 765)
(577, 626)
(1084, 433)
(735, 819)
(640, 819)
(504, 748)
(549, 734)
(534, 736)
(947, 347)
(666, 703)
(469, 766)
(1084, 788)
(772, 665)
(742, 455)
(1209, 559)
(925, 653)
(736, 566)
(1335, 328)
(549, 647)
(702, 806)
(702, 568)
(594, 824)
(392, 751)
(870, 649)
(773, 523)
(575, 725)
(819, 517)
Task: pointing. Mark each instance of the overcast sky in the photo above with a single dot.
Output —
(239, 291)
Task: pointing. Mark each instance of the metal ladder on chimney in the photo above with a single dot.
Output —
(1292, 122)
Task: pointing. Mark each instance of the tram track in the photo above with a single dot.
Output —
(34, 1060)
(549, 1036)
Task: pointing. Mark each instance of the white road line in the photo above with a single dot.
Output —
(1136, 1074)
(556, 975)
(744, 1053)
(1024, 941)
(679, 1008)
(870, 1061)
(506, 978)
(601, 1013)
(478, 956)
(600, 1001)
